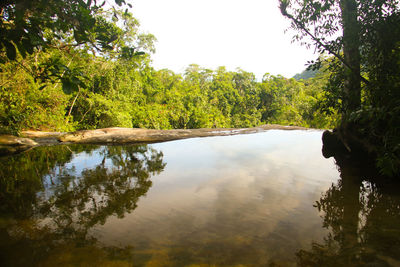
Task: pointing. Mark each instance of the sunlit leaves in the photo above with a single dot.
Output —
(318, 17)
(27, 22)
(370, 42)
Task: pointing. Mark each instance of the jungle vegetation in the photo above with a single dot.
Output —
(363, 40)
(71, 64)
(90, 68)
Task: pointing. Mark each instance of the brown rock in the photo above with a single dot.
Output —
(39, 134)
(10, 140)
(128, 135)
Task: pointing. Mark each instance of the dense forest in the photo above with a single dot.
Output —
(71, 87)
(130, 93)
(72, 64)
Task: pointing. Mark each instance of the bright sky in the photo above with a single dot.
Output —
(246, 34)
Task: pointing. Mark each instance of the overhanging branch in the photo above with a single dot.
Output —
(300, 25)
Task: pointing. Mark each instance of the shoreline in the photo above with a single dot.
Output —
(10, 144)
(117, 135)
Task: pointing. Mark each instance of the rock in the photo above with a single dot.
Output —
(10, 140)
(43, 138)
(39, 134)
(332, 145)
(128, 135)
(11, 144)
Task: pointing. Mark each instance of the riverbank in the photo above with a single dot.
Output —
(11, 144)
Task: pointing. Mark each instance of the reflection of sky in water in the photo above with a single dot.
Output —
(75, 167)
(254, 190)
(86, 160)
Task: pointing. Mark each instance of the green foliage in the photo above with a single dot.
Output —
(151, 116)
(306, 74)
(130, 93)
(30, 26)
(364, 81)
(25, 106)
(102, 113)
(39, 24)
(95, 75)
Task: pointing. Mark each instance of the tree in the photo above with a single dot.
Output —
(351, 45)
(368, 50)
(318, 20)
(27, 25)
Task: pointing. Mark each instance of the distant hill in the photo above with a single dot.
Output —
(306, 74)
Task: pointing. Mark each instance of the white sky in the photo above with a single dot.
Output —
(246, 34)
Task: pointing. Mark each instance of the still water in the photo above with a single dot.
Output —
(265, 199)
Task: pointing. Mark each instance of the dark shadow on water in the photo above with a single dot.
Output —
(47, 206)
(362, 213)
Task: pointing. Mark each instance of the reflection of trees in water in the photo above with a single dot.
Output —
(363, 219)
(48, 208)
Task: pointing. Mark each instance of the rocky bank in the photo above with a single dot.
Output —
(11, 144)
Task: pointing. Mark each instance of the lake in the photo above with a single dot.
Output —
(264, 199)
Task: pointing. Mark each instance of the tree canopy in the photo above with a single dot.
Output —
(27, 25)
(363, 38)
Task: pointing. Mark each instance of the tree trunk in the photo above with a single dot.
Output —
(351, 44)
(72, 106)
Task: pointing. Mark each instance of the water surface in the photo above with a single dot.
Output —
(251, 200)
